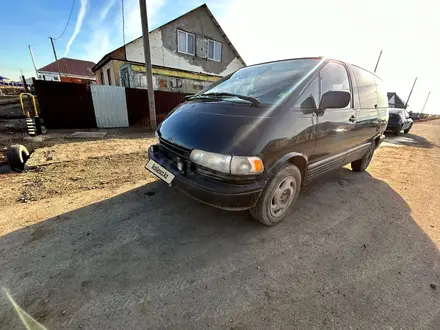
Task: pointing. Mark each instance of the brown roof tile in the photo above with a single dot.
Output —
(71, 66)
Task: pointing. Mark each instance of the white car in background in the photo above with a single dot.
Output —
(398, 121)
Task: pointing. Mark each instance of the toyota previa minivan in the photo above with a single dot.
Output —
(252, 139)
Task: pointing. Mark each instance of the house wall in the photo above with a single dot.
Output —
(165, 79)
(65, 77)
(48, 76)
(116, 68)
(163, 43)
(98, 77)
(108, 65)
(77, 80)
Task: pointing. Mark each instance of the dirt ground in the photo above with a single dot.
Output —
(90, 240)
(61, 168)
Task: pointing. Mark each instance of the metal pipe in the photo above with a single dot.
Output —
(426, 101)
(377, 63)
(406, 104)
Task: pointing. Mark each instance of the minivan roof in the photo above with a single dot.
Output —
(289, 59)
(314, 58)
(367, 71)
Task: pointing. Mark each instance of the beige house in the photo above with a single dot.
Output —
(187, 54)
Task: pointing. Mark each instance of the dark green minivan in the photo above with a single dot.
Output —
(252, 139)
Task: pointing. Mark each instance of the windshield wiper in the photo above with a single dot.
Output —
(251, 99)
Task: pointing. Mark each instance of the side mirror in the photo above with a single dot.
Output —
(334, 100)
(308, 105)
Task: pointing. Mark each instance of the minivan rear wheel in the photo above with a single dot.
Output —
(279, 195)
(361, 165)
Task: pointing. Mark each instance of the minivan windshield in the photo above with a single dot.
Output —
(266, 82)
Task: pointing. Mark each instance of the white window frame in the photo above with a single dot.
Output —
(221, 49)
(186, 42)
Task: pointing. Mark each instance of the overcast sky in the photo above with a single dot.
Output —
(261, 30)
(355, 31)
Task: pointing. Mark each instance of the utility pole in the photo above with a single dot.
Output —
(56, 59)
(426, 101)
(146, 38)
(378, 59)
(406, 104)
(33, 61)
(123, 29)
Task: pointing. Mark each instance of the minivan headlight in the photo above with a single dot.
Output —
(218, 162)
(237, 165)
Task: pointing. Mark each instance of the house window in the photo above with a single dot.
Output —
(102, 78)
(186, 42)
(109, 78)
(214, 50)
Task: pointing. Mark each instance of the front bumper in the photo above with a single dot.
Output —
(393, 125)
(224, 195)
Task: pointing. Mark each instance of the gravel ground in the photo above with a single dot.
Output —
(360, 251)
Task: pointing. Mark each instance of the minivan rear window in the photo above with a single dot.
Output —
(366, 87)
(267, 82)
(382, 98)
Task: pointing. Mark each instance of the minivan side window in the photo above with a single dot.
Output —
(366, 87)
(334, 77)
(309, 97)
(382, 97)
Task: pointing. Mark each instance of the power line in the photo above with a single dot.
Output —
(68, 20)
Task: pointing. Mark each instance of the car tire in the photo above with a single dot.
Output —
(278, 197)
(17, 156)
(361, 165)
(408, 129)
(396, 132)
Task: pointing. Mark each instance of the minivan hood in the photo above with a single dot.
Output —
(218, 126)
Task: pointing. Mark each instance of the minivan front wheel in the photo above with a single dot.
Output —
(279, 195)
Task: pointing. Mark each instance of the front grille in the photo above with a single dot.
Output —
(394, 118)
(173, 151)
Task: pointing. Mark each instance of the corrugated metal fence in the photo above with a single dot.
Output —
(110, 106)
(69, 105)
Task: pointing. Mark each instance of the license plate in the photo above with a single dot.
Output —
(159, 171)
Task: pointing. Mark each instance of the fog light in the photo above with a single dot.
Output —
(179, 165)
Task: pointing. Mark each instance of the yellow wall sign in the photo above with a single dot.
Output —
(176, 73)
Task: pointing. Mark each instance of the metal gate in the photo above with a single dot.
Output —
(65, 105)
(110, 106)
